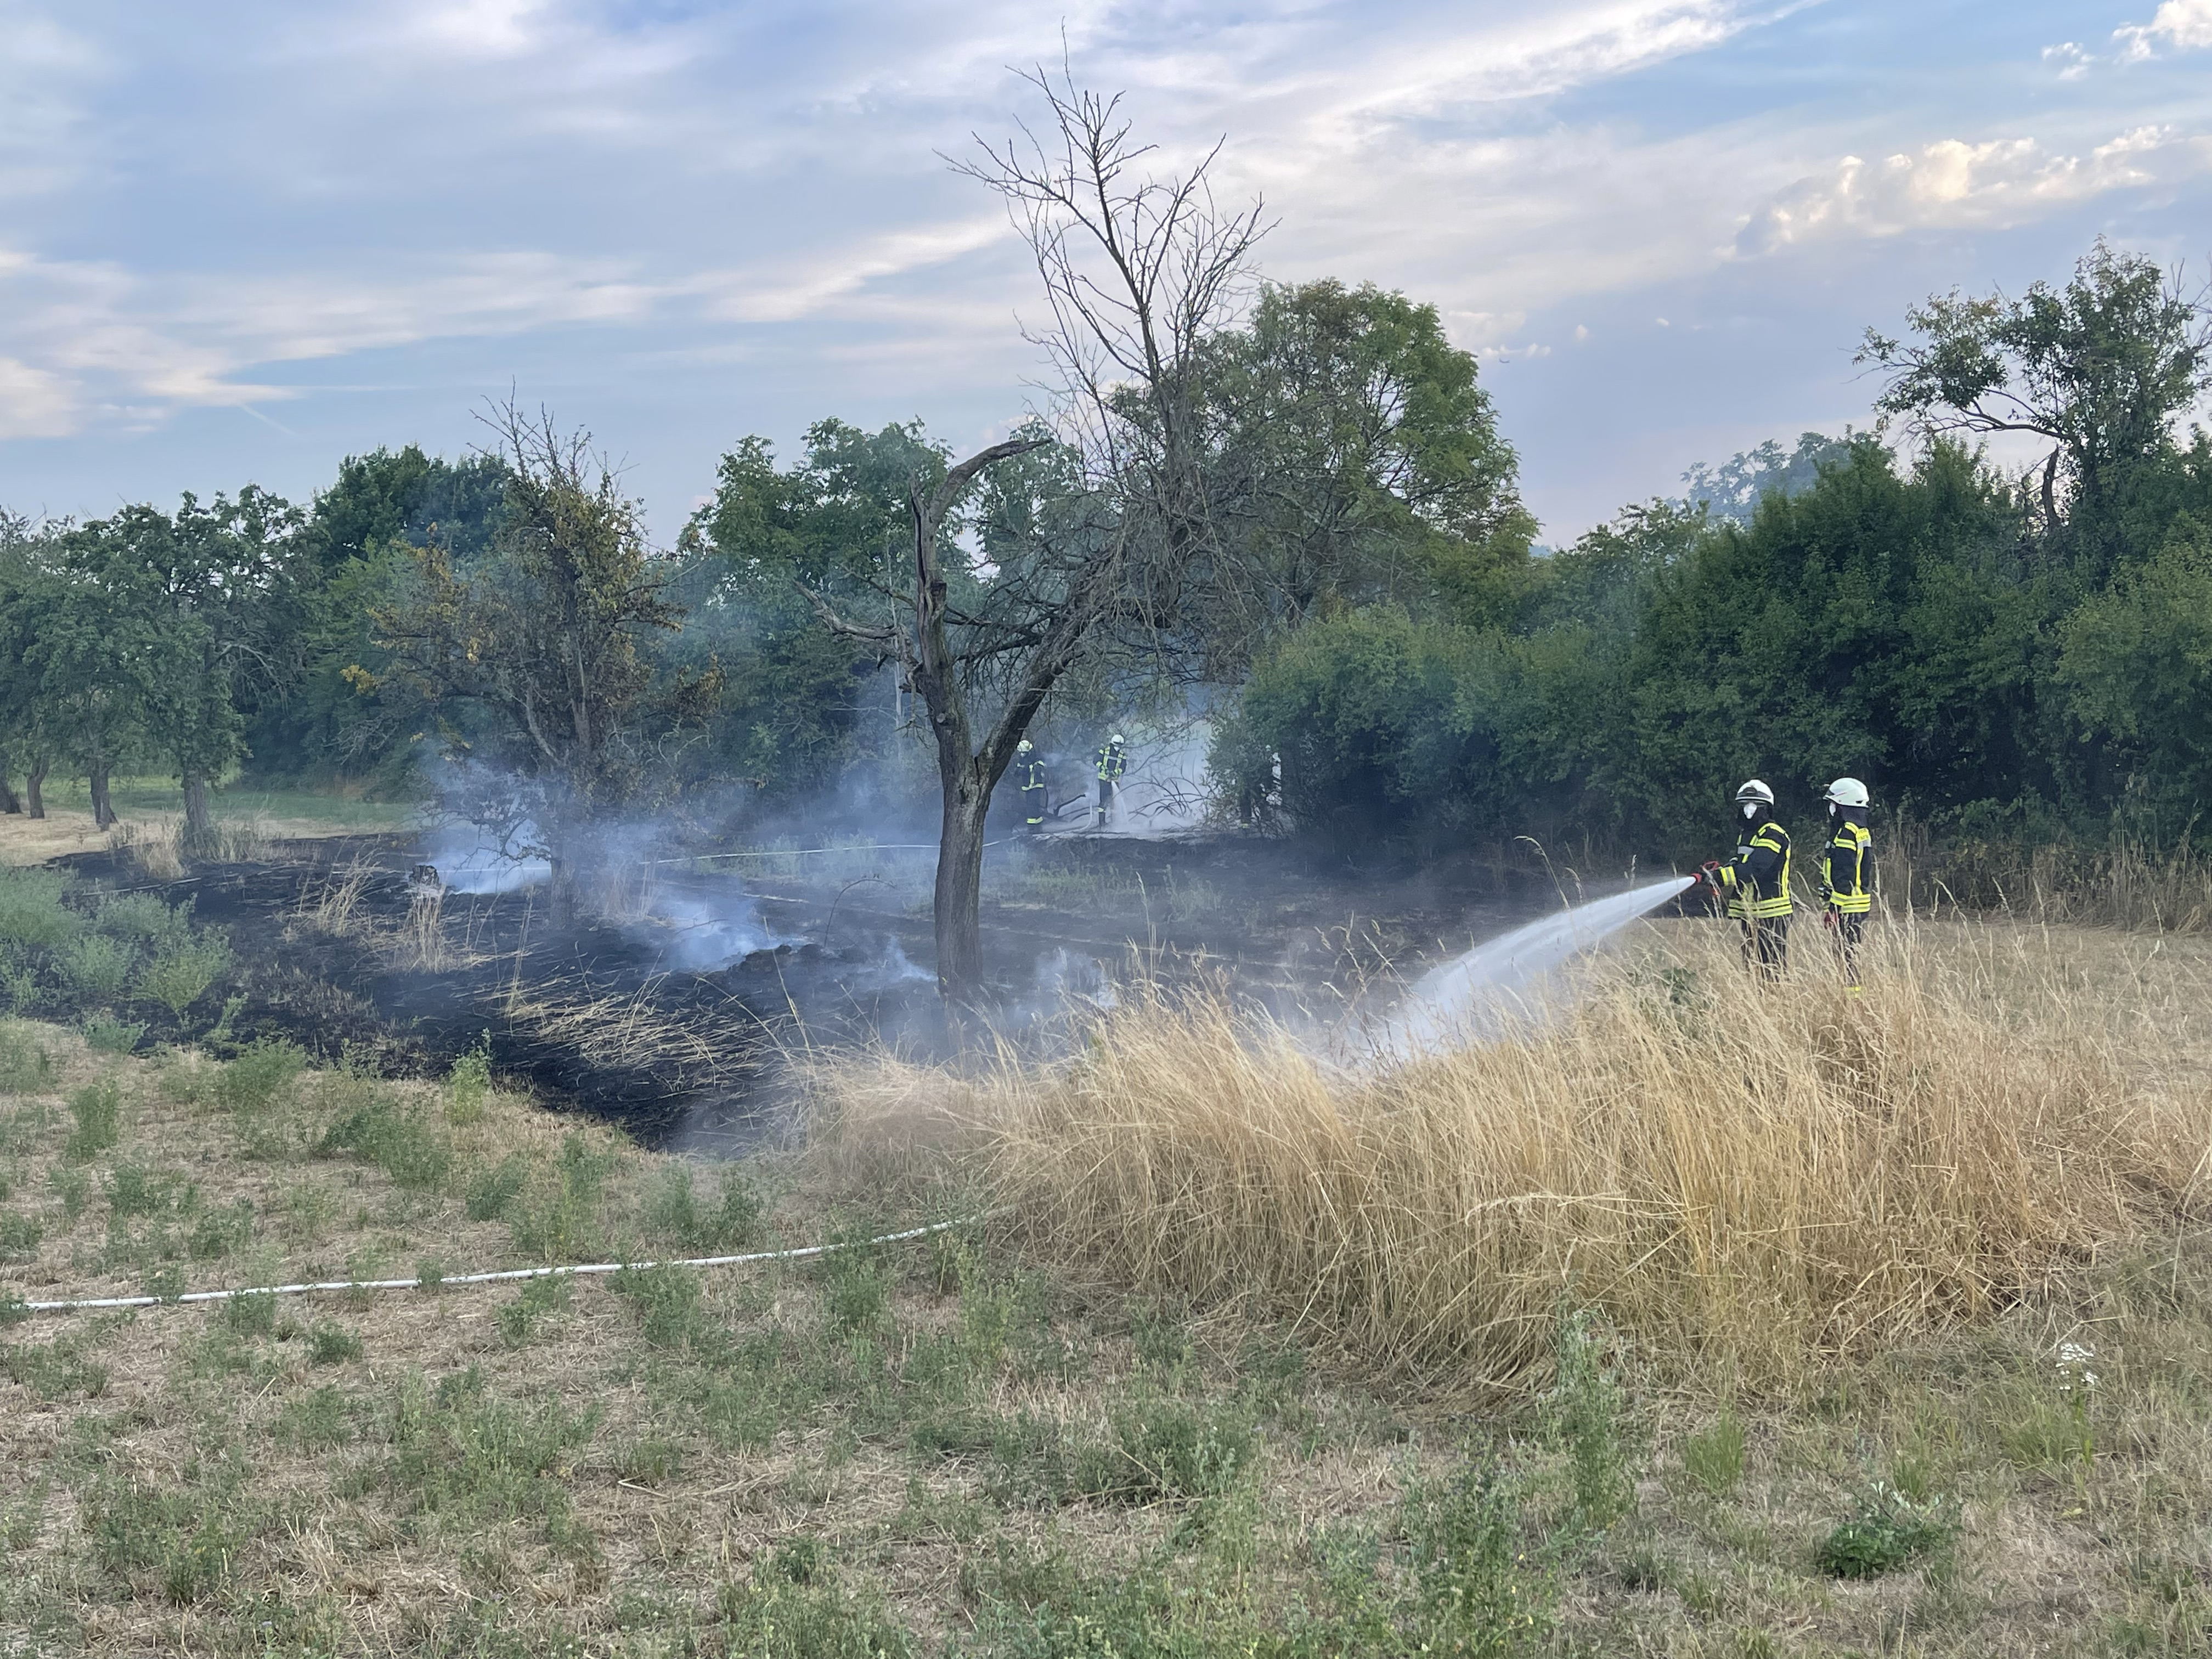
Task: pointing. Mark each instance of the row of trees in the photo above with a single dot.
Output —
(2020, 656)
(1288, 505)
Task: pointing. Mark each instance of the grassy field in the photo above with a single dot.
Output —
(145, 803)
(1955, 1404)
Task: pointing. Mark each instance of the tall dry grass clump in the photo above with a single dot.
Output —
(1761, 1175)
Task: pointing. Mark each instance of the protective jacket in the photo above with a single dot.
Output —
(1029, 773)
(1113, 760)
(1757, 879)
(1847, 876)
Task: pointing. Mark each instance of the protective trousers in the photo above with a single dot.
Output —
(1766, 945)
(1033, 806)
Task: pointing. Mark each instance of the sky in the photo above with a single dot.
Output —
(240, 241)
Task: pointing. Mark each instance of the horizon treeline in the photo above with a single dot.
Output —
(1381, 647)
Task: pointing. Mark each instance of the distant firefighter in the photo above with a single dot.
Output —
(1847, 871)
(1113, 760)
(1755, 882)
(1029, 773)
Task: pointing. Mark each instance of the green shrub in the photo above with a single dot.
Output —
(774, 1617)
(1476, 1591)
(1167, 1448)
(468, 1085)
(491, 1192)
(31, 908)
(143, 917)
(1584, 1412)
(253, 1314)
(667, 1301)
(1889, 1530)
(262, 1068)
(180, 974)
(562, 1221)
(98, 1109)
(134, 1191)
(94, 962)
(107, 1035)
(857, 1282)
(548, 1293)
(674, 1213)
(331, 1344)
(457, 1450)
(54, 1371)
(20, 1235)
(25, 1067)
(219, 1233)
(396, 1138)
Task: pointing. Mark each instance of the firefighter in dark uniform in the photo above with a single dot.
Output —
(1113, 760)
(1847, 871)
(1028, 773)
(1755, 882)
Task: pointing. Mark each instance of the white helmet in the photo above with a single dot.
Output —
(1847, 792)
(1023, 747)
(1115, 738)
(1754, 790)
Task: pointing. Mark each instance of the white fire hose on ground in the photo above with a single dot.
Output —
(579, 1270)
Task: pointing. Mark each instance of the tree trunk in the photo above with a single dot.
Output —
(34, 784)
(198, 830)
(960, 886)
(8, 801)
(103, 812)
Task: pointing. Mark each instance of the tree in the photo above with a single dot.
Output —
(793, 718)
(203, 605)
(530, 655)
(1357, 460)
(2101, 367)
(1095, 546)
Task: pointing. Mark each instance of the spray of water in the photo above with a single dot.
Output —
(1473, 994)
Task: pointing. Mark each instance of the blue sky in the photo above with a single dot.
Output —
(240, 240)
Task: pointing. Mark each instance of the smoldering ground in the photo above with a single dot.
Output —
(671, 1002)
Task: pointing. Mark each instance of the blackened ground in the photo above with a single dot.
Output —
(338, 949)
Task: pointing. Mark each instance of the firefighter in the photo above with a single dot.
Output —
(1028, 773)
(1755, 882)
(1847, 871)
(1112, 762)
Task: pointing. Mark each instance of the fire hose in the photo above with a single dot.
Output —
(579, 1270)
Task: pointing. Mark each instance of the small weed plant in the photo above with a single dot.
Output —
(97, 1110)
(1888, 1531)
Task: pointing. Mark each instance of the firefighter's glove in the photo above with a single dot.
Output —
(1710, 874)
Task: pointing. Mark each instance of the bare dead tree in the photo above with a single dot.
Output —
(1082, 560)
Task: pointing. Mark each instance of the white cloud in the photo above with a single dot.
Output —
(35, 403)
(2180, 25)
(1949, 184)
(2072, 62)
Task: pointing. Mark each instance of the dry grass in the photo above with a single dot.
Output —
(330, 907)
(1771, 1177)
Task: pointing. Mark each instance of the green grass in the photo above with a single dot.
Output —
(151, 796)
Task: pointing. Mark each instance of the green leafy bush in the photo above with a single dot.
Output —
(98, 1109)
(25, 1067)
(731, 1223)
(180, 974)
(491, 1192)
(396, 1138)
(1889, 1530)
(1168, 1449)
(146, 918)
(548, 1293)
(263, 1067)
(19, 1235)
(468, 1085)
(104, 1034)
(95, 962)
(31, 908)
(330, 1344)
